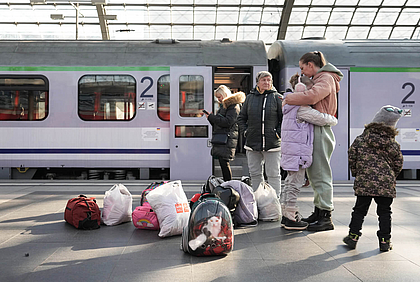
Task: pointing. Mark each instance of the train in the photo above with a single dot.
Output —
(133, 109)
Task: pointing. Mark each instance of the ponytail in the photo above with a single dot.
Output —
(315, 57)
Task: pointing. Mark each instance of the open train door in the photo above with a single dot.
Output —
(190, 133)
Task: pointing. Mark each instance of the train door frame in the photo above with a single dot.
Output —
(222, 75)
(189, 140)
(339, 165)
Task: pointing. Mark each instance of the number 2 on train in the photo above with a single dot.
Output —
(404, 101)
(143, 94)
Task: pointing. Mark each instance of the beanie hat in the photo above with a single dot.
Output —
(389, 115)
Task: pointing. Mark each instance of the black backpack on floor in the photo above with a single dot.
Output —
(228, 195)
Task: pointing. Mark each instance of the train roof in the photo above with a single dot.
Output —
(133, 53)
(350, 53)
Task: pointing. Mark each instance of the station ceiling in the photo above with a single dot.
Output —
(266, 20)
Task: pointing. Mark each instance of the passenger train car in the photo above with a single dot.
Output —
(104, 110)
(133, 109)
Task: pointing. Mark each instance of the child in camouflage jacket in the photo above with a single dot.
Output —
(375, 160)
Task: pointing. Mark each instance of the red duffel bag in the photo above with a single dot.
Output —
(83, 213)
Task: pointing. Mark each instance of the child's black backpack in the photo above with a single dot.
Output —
(210, 229)
(211, 183)
(228, 195)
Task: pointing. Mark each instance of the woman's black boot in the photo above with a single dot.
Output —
(324, 222)
(314, 217)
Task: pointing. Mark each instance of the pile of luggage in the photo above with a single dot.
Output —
(206, 221)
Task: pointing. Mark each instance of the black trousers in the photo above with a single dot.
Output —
(383, 211)
(226, 171)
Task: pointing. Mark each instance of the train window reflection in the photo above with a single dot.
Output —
(23, 98)
(191, 95)
(107, 97)
(163, 97)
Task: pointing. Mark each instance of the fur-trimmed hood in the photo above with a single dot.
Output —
(237, 98)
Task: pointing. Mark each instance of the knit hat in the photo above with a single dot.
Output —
(389, 115)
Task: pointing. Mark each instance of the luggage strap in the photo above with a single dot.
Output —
(89, 213)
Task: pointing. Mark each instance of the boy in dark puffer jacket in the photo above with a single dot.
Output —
(375, 160)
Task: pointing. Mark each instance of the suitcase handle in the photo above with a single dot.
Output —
(83, 197)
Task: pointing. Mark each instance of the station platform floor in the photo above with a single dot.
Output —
(37, 245)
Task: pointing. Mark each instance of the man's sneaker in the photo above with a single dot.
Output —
(298, 217)
(351, 240)
(295, 225)
(385, 244)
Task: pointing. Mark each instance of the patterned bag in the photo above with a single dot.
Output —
(143, 216)
(149, 188)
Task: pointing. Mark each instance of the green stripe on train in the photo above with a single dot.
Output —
(81, 68)
(358, 69)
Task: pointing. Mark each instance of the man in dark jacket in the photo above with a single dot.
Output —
(260, 121)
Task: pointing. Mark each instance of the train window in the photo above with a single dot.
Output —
(23, 98)
(107, 97)
(163, 98)
(191, 95)
(191, 131)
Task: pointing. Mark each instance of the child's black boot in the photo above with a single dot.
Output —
(385, 244)
(351, 240)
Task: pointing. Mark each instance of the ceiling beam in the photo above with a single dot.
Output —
(102, 21)
(284, 20)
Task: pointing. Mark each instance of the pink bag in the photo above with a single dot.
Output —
(145, 218)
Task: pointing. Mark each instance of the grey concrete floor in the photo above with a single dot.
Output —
(31, 222)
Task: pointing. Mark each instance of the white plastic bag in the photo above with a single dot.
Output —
(268, 204)
(171, 206)
(117, 205)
